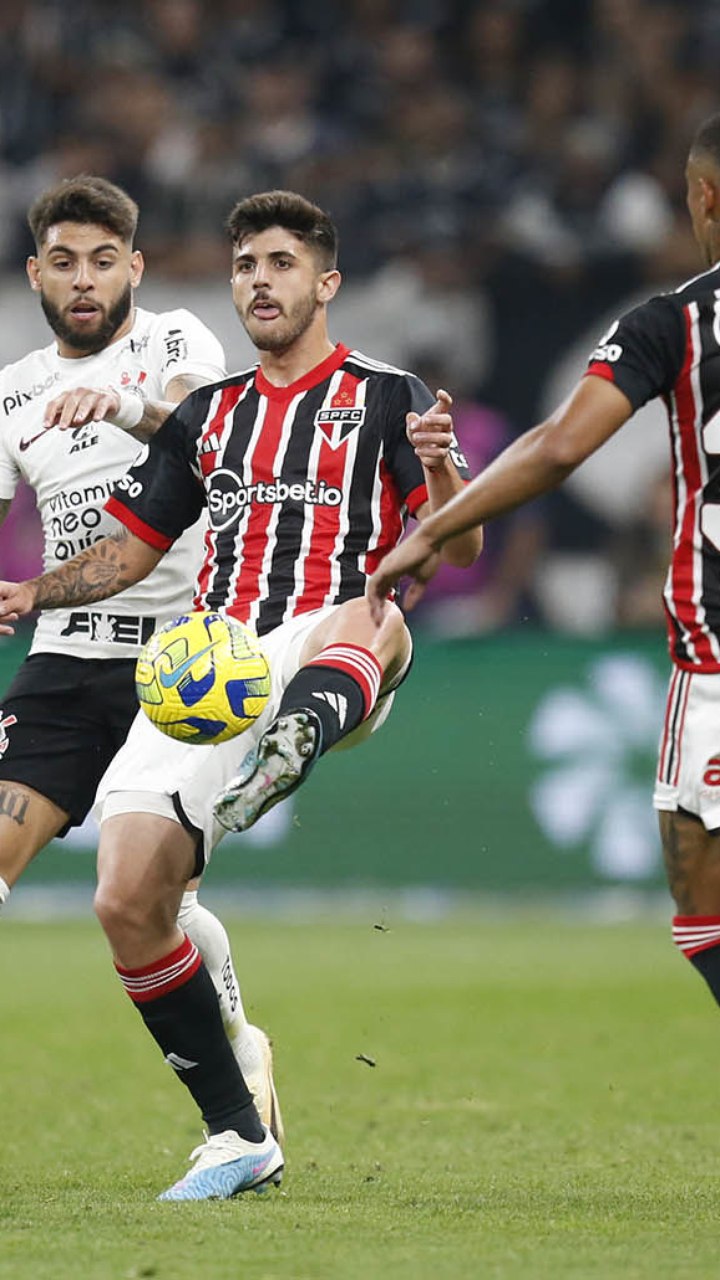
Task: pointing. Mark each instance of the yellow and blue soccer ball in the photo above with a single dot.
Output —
(202, 678)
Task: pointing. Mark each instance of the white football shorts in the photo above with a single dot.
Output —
(688, 775)
(153, 773)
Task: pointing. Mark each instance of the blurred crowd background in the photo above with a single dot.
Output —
(506, 177)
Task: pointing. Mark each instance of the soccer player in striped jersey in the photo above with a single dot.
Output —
(670, 347)
(307, 465)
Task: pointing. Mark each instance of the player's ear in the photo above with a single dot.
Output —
(32, 267)
(710, 198)
(328, 285)
(137, 267)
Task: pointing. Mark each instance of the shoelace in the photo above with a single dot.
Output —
(213, 1150)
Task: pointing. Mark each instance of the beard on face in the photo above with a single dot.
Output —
(297, 321)
(88, 343)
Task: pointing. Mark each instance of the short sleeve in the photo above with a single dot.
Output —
(9, 473)
(412, 396)
(181, 345)
(162, 494)
(642, 353)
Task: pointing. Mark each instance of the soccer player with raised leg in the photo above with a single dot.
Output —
(112, 374)
(668, 346)
(308, 464)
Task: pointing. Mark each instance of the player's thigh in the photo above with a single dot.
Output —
(63, 720)
(692, 863)
(351, 623)
(152, 773)
(28, 821)
(144, 864)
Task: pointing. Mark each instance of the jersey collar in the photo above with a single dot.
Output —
(308, 380)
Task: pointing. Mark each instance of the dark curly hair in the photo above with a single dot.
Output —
(293, 212)
(84, 199)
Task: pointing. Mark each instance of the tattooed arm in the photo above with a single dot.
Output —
(105, 568)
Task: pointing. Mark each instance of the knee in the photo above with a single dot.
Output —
(392, 637)
(394, 619)
(394, 643)
(116, 911)
(128, 916)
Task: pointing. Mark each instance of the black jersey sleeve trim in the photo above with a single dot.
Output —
(642, 353)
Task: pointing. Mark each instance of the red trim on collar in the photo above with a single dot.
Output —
(308, 380)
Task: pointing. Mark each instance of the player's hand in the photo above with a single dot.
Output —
(16, 599)
(431, 433)
(416, 558)
(81, 405)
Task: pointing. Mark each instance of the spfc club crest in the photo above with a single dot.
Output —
(336, 424)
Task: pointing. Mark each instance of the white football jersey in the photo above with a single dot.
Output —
(74, 472)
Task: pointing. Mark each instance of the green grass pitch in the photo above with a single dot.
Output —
(543, 1104)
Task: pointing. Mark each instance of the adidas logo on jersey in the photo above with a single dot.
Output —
(337, 701)
(210, 444)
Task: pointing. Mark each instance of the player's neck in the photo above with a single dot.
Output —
(282, 368)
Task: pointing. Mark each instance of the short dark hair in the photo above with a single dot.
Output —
(84, 199)
(707, 139)
(293, 212)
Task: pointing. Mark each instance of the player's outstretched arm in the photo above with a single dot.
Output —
(532, 465)
(125, 409)
(108, 566)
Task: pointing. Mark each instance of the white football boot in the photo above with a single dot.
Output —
(283, 757)
(226, 1165)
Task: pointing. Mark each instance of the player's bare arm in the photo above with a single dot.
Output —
(102, 570)
(431, 435)
(77, 407)
(5, 504)
(532, 465)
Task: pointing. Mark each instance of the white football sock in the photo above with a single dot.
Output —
(4, 892)
(209, 935)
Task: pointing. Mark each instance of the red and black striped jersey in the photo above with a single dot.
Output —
(306, 487)
(670, 347)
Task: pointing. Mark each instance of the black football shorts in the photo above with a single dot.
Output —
(61, 722)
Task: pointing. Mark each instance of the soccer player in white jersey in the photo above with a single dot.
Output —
(308, 464)
(116, 371)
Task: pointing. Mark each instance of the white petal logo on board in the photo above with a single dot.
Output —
(598, 745)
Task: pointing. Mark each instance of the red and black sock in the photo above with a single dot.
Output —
(177, 1001)
(340, 685)
(698, 937)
